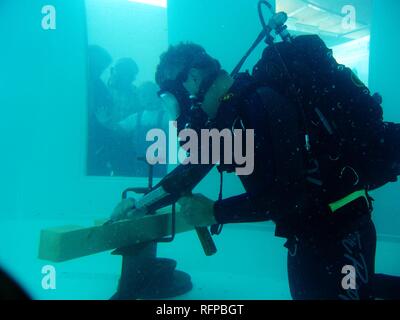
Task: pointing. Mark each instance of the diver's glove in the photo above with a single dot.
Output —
(126, 209)
(198, 210)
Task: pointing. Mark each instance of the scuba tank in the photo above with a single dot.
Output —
(340, 118)
(347, 118)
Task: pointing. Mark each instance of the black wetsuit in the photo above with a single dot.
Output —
(317, 262)
(320, 243)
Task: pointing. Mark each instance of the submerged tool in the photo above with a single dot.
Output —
(178, 183)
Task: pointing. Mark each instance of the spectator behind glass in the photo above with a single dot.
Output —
(123, 91)
(153, 116)
(99, 102)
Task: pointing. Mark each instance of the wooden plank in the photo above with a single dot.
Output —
(71, 242)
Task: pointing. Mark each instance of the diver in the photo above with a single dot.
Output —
(124, 102)
(123, 91)
(317, 202)
(100, 138)
(131, 132)
(138, 124)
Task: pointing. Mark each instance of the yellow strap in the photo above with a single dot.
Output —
(346, 200)
(226, 97)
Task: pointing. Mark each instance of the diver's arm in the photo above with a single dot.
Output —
(179, 182)
(243, 208)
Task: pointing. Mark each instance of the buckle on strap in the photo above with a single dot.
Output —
(335, 206)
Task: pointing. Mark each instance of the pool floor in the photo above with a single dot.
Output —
(250, 264)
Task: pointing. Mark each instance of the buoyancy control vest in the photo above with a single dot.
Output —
(343, 120)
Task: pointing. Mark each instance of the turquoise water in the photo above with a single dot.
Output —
(43, 136)
(250, 264)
